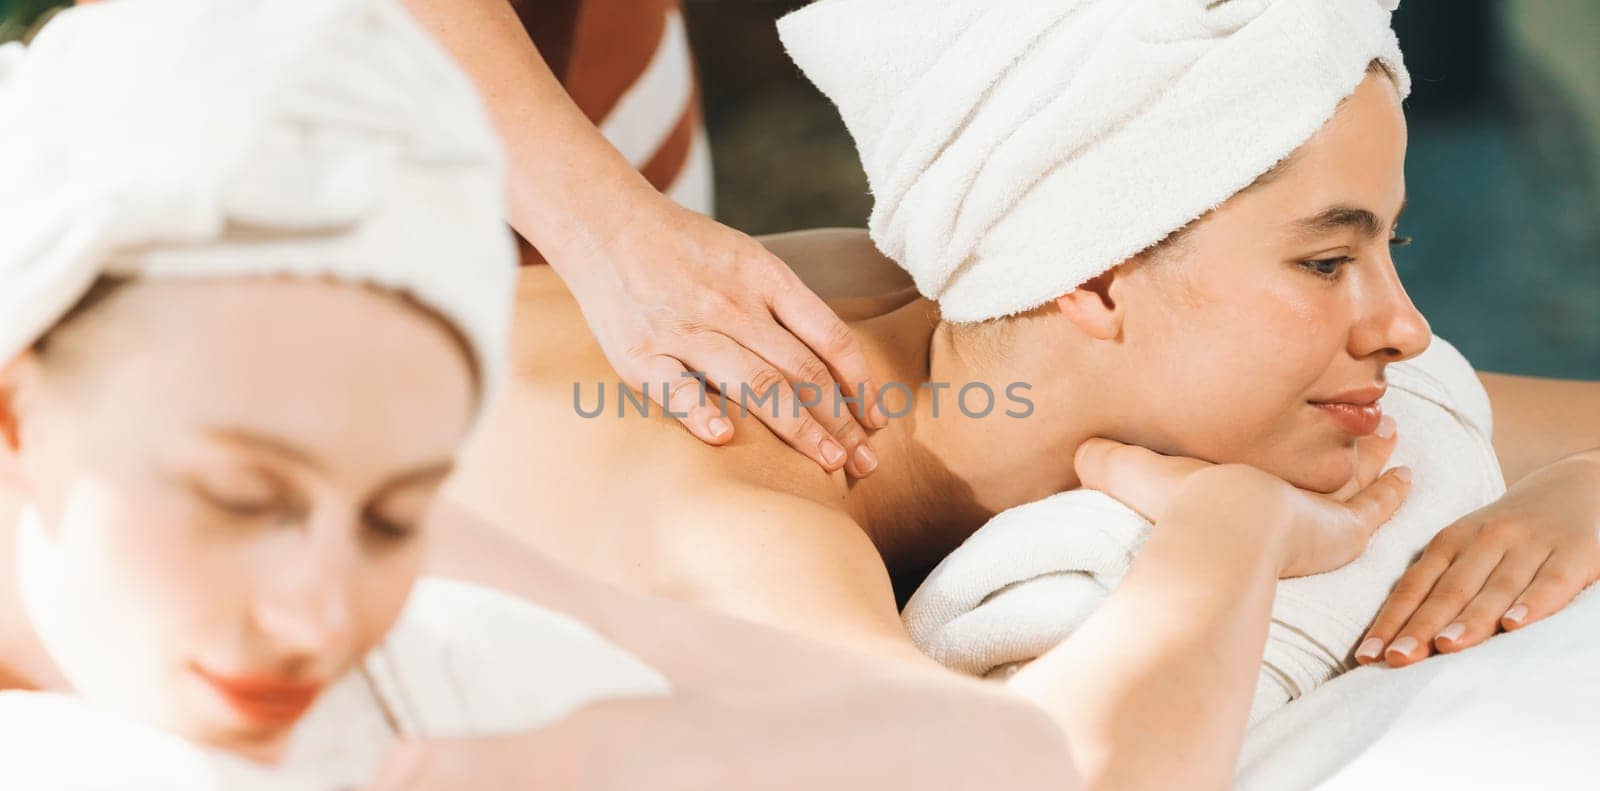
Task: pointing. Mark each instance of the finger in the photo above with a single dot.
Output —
(1563, 576)
(803, 313)
(665, 381)
(1481, 617)
(1372, 453)
(1373, 505)
(1349, 525)
(1141, 478)
(1456, 586)
(1403, 601)
(796, 362)
(754, 387)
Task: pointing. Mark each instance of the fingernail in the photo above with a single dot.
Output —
(1453, 632)
(1517, 613)
(866, 460)
(831, 452)
(1403, 473)
(719, 427)
(880, 416)
(1371, 648)
(1385, 427)
(1404, 646)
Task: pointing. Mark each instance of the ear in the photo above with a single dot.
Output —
(17, 378)
(1093, 307)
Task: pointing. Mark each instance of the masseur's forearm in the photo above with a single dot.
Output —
(761, 701)
(562, 173)
(1154, 689)
(869, 736)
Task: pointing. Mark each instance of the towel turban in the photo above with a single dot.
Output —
(1017, 148)
(220, 138)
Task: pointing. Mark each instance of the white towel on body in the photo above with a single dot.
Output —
(463, 660)
(1023, 582)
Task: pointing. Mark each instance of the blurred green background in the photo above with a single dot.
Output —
(1503, 169)
(18, 16)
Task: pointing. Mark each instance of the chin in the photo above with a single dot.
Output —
(266, 748)
(1325, 472)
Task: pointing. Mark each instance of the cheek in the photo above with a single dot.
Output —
(380, 593)
(1229, 369)
(135, 598)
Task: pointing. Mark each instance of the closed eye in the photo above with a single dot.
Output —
(388, 529)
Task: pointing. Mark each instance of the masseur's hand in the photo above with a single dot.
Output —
(1502, 566)
(1318, 533)
(672, 291)
(665, 290)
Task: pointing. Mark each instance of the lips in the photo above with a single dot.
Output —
(1356, 411)
(264, 699)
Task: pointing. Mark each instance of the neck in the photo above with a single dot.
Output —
(944, 471)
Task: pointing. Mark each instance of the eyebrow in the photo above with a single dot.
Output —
(1338, 218)
(422, 474)
(278, 447)
(272, 445)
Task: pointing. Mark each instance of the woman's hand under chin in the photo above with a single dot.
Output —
(1502, 566)
(1310, 533)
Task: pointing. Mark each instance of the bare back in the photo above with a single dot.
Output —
(751, 528)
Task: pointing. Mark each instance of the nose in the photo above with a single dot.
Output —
(1390, 326)
(302, 605)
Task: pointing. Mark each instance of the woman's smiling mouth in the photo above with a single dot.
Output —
(263, 699)
(1356, 411)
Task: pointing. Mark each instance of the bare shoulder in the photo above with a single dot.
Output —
(550, 335)
(751, 528)
(787, 561)
(563, 385)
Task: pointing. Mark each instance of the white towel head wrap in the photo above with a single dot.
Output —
(221, 138)
(1017, 148)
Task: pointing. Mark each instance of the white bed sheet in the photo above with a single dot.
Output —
(1520, 711)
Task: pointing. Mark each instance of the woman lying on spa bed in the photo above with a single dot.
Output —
(1258, 334)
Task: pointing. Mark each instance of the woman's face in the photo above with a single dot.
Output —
(1283, 299)
(232, 476)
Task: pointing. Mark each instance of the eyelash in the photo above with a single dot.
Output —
(239, 510)
(386, 530)
(1339, 262)
(383, 528)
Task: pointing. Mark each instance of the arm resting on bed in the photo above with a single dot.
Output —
(1538, 420)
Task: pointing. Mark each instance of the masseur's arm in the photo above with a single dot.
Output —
(875, 733)
(1154, 689)
(664, 289)
(1162, 706)
(752, 707)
